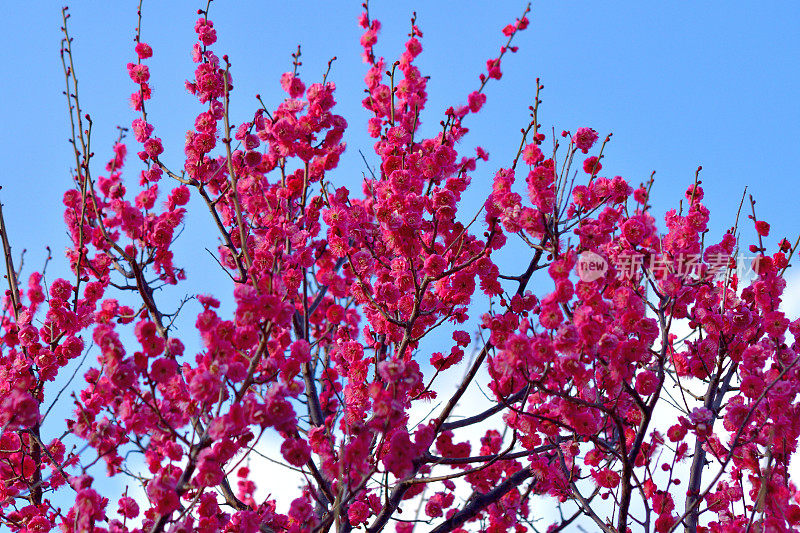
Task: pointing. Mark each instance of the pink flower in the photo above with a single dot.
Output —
(347, 284)
(138, 73)
(591, 165)
(752, 386)
(399, 454)
(440, 362)
(18, 409)
(161, 490)
(550, 316)
(180, 195)
(633, 230)
(163, 369)
(209, 469)
(301, 351)
(676, 433)
(762, 228)
(476, 101)
(358, 513)
(204, 142)
(433, 508)
(61, 289)
(584, 139)
(205, 30)
(292, 85)
(141, 130)
(646, 383)
(128, 507)
(296, 451)
(413, 47)
(606, 478)
(143, 50)
(493, 68)
(153, 148)
(532, 154)
(301, 510)
(435, 265)
(203, 386)
(38, 524)
(369, 38)
(701, 417)
(462, 338)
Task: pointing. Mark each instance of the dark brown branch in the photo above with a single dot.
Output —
(480, 417)
(477, 502)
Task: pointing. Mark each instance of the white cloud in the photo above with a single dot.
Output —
(791, 296)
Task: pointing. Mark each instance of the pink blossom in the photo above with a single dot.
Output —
(340, 311)
(584, 139)
(476, 101)
(143, 50)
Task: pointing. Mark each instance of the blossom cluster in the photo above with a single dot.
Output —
(336, 297)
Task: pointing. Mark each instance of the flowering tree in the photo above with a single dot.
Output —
(335, 292)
